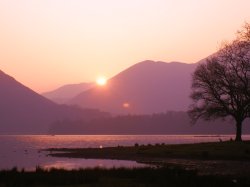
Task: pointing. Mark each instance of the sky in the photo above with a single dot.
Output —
(48, 43)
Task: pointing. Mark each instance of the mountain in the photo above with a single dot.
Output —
(62, 94)
(144, 88)
(23, 111)
(162, 123)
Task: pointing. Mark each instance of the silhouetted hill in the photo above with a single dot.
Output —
(63, 94)
(162, 123)
(22, 111)
(146, 87)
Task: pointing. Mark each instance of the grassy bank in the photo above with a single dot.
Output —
(138, 177)
(220, 158)
(229, 150)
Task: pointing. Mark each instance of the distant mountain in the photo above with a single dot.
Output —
(63, 94)
(22, 111)
(144, 88)
(162, 123)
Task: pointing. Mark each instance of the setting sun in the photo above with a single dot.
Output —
(101, 81)
(126, 105)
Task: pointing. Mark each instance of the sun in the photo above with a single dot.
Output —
(101, 81)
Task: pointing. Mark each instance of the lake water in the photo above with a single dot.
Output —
(23, 151)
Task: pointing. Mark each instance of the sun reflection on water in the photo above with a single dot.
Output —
(23, 151)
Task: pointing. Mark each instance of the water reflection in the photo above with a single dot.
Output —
(91, 163)
(23, 151)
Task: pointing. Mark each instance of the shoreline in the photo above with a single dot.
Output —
(220, 158)
(202, 164)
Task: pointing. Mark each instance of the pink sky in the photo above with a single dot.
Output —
(47, 43)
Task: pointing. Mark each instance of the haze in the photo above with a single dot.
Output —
(48, 43)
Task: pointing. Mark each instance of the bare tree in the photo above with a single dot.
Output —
(221, 86)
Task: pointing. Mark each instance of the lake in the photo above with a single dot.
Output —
(23, 151)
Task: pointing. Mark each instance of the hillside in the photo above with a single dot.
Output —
(162, 123)
(25, 112)
(64, 93)
(144, 88)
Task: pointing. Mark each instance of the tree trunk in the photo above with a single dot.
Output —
(238, 131)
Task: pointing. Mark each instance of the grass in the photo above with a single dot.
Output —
(137, 177)
(228, 150)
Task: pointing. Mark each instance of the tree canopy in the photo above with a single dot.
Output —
(221, 85)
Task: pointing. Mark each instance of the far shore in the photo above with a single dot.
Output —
(220, 158)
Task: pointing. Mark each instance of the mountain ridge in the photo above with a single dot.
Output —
(142, 86)
(64, 93)
(24, 111)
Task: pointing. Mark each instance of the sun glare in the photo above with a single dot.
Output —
(126, 105)
(101, 81)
